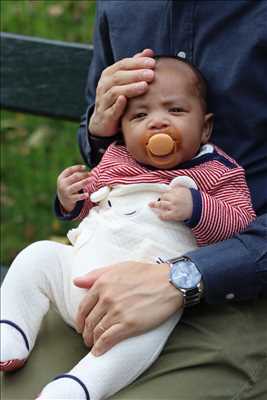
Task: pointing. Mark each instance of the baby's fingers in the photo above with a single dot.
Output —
(80, 196)
(76, 177)
(71, 170)
(160, 205)
(77, 186)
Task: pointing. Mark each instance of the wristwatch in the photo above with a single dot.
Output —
(185, 276)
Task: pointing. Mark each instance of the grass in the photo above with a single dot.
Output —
(30, 160)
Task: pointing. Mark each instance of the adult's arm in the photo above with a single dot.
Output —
(108, 87)
(92, 147)
(235, 269)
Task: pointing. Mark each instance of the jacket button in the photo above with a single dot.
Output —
(230, 296)
(181, 54)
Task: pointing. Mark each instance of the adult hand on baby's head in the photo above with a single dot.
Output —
(174, 205)
(126, 78)
(69, 183)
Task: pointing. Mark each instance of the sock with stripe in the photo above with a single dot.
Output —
(65, 386)
(97, 378)
(14, 346)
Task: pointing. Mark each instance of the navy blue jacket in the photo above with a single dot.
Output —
(227, 41)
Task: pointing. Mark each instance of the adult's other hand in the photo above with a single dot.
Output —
(124, 300)
(126, 78)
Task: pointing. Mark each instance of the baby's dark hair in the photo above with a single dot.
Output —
(201, 84)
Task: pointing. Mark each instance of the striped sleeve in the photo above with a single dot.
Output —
(226, 208)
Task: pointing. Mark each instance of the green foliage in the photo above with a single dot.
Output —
(33, 152)
(35, 149)
(70, 20)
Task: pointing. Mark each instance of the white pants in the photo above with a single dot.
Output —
(44, 272)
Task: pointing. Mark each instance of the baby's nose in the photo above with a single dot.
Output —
(157, 122)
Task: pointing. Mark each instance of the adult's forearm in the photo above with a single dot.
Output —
(235, 269)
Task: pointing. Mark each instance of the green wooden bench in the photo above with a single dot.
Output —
(48, 78)
(43, 77)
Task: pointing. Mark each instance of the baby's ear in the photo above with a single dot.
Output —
(207, 128)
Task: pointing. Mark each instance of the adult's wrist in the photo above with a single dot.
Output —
(173, 295)
(186, 278)
(234, 269)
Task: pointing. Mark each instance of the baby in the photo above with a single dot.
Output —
(162, 191)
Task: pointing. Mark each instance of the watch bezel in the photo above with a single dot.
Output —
(175, 265)
(192, 295)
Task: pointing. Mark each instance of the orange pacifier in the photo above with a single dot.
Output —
(164, 143)
(160, 144)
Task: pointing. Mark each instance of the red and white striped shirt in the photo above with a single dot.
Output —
(221, 205)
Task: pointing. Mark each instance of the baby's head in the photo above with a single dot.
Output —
(167, 125)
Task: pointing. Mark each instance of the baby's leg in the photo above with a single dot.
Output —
(98, 378)
(34, 278)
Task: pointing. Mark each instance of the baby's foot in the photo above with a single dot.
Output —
(14, 346)
(65, 387)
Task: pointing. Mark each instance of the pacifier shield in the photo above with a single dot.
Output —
(160, 144)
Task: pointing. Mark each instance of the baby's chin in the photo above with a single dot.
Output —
(166, 162)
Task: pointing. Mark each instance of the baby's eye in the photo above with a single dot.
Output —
(139, 115)
(176, 110)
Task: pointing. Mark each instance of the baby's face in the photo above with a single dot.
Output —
(166, 126)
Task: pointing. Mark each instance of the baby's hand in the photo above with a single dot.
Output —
(174, 205)
(69, 183)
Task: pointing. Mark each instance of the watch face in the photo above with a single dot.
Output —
(184, 274)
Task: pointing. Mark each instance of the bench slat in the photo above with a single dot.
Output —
(43, 77)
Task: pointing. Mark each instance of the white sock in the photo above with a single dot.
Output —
(13, 344)
(105, 375)
(22, 304)
(14, 347)
(64, 388)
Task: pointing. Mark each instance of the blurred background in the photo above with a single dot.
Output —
(35, 149)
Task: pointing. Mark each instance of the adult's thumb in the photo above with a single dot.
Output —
(86, 281)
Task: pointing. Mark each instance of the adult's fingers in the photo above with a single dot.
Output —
(109, 338)
(128, 91)
(145, 53)
(119, 107)
(126, 71)
(91, 322)
(95, 314)
(86, 281)
(142, 289)
(114, 109)
(130, 63)
(123, 77)
(85, 307)
(91, 298)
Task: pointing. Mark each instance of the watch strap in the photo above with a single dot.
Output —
(191, 296)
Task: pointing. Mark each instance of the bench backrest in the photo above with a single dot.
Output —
(43, 77)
